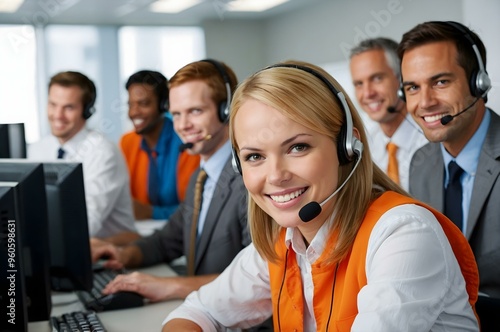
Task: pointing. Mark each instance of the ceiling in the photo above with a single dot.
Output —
(132, 12)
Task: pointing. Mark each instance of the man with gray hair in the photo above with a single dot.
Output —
(375, 73)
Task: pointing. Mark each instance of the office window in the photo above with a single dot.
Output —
(18, 102)
(164, 49)
(106, 54)
(72, 48)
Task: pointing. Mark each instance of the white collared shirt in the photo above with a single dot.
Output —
(408, 137)
(106, 181)
(414, 283)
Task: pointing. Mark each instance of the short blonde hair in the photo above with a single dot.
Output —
(305, 99)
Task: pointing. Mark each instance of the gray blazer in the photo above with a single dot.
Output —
(483, 222)
(224, 234)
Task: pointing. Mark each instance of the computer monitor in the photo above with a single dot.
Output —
(71, 262)
(12, 289)
(28, 181)
(12, 140)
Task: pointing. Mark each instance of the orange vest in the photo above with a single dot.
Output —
(138, 166)
(351, 275)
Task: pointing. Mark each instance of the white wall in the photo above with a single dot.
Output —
(241, 44)
(323, 32)
(482, 16)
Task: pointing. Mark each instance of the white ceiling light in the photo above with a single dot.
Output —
(253, 5)
(172, 6)
(10, 6)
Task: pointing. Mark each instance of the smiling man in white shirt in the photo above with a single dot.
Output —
(375, 71)
(70, 103)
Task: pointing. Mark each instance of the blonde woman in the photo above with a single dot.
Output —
(337, 246)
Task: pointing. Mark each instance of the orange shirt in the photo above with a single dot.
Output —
(138, 164)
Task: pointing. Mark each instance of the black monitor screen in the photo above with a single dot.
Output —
(12, 289)
(71, 264)
(12, 140)
(31, 208)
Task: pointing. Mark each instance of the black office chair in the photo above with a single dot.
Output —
(488, 310)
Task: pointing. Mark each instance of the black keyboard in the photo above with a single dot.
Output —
(96, 301)
(77, 321)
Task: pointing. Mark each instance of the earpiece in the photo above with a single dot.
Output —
(349, 147)
(161, 89)
(163, 105)
(224, 105)
(401, 92)
(479, 82)
(89, 109)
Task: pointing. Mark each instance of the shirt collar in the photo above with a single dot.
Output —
(71, 147)
(166, 131)
(215, 164)
(468, 158)
(400, 136)
(294, 238)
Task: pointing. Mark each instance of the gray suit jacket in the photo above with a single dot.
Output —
(483, 221)
(224, 234)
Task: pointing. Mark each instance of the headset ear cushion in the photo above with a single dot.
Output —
(88, 111)
(235, 161)
(480, 83)
(342, 146)
(473, 85)
(163, 106)
(223, 111)
(401, 94)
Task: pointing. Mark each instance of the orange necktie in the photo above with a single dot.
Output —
(198, 191)
(392, 166)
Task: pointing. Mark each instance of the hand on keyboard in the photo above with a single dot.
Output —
(107, 254)
(116, 301)
(153, 288)
(97, 301)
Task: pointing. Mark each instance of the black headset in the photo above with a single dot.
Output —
(348, 146)
(224, 106)
(88, 108)
(163, 103)
(479, 81)
(160, 81)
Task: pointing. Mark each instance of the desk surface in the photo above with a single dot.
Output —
(146, 318)
(147, 227)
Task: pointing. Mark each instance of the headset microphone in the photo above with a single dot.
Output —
(189, 145)
(185, 146)
(312, 209)
(392, 109)
(447, 119)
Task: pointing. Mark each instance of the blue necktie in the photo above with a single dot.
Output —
(453, 195)
(153, 179)
(60, 153)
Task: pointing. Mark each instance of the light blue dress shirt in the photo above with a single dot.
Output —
(213, 166)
